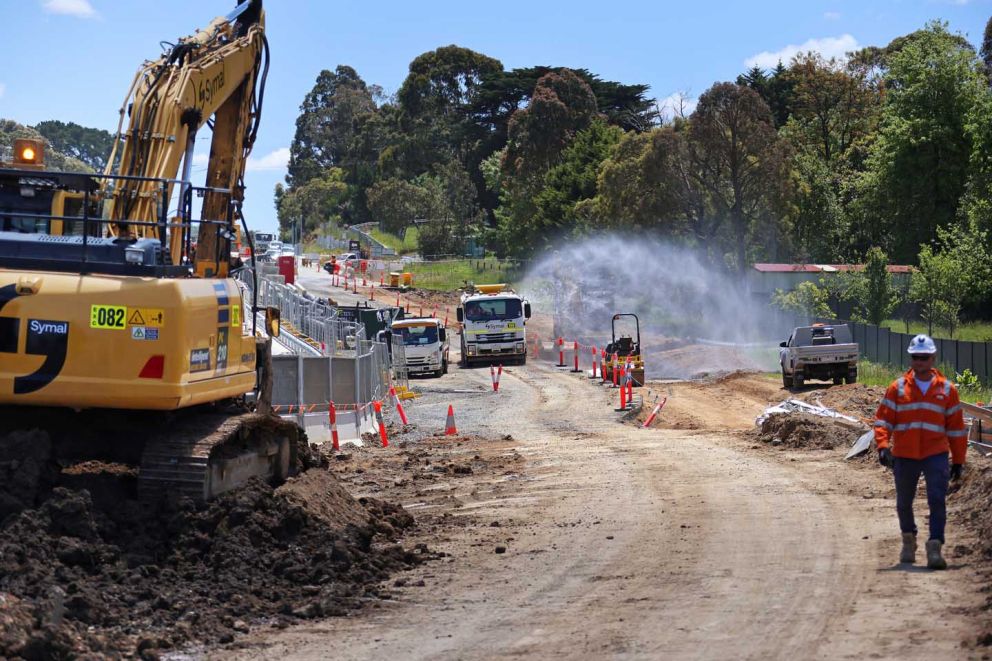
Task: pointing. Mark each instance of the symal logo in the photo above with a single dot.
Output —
(38, 327)
(46, 338)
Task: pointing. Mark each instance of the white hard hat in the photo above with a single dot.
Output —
(921, 344)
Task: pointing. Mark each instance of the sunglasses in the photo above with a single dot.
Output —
(921, 357)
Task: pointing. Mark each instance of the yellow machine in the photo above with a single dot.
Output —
(109, 302)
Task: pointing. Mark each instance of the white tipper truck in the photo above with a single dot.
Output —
(425, 345)
(493, 319)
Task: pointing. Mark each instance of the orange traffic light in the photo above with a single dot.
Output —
(29, 152)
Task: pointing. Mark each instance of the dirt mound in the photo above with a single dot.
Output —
(802, 430)
(695, 361)
(25, 470)
(79, 580)
(970, 502)
(855, 399)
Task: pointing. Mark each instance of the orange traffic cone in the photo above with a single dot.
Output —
(449, 427)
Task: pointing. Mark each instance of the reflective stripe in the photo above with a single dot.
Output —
(947, 387)
(906, 426)
(889, 403)
(922, 406)
(955, 434)
(883, 424)
(951, 411)
(901, 386)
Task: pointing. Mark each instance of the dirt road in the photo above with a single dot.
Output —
(611, 541)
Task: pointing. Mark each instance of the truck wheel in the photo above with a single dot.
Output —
(786, 380)
(852, 376)
(798, 379)
(838, 380)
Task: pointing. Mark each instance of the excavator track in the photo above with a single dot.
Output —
(197, 453)
(209, 454)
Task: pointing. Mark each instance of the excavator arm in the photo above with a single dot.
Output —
(215, 73)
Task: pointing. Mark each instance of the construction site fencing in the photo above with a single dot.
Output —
(882, 345)
(331, 362)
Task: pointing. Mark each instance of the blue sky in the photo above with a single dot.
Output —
(73, 60)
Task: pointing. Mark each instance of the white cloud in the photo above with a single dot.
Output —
(78, 8)
(827, 47)
(3, 88)
(831, 15)
(276, 160)
(678, 103)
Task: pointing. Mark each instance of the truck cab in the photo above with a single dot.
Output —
(493, 319)
(425, 344)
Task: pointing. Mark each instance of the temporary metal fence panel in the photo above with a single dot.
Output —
(343, 379)
(317, 379)
(287, 391)
(897, 349)
(333, 360)
(888, 347)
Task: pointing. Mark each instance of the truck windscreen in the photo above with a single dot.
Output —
(415, 335)
(489, 310)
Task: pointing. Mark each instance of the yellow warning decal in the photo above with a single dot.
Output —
(154, 317)
(235, 315)
(108, 316)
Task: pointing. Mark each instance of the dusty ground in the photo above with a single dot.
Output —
(577, 536)
(552, 526)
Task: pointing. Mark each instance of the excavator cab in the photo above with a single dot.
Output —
(626, 348)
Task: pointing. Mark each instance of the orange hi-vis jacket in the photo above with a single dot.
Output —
(917, 426)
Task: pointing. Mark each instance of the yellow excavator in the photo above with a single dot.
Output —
(123, 332)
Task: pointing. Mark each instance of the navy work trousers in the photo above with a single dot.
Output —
(936, 470)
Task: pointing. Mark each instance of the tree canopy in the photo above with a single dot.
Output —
(881, 152)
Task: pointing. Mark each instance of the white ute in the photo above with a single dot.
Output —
(425, 344)
(820, 351)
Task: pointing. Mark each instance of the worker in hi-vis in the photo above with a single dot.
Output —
(916, 425)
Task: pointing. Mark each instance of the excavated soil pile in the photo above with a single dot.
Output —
(136, 578)
(802, 430)
(855, 399)
(970, 502)
(26, 471)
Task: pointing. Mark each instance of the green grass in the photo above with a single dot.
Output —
(448, 275)
(404, 246)
(973, 331)
(875, 374)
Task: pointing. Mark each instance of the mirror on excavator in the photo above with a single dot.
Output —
(272, 321)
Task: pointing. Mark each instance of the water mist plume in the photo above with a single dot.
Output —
(695, 319)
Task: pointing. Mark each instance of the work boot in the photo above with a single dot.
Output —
(908, 553)
(934, 559)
